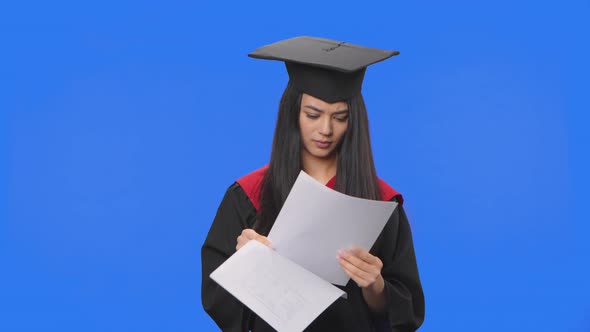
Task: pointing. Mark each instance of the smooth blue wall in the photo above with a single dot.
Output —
(122, 124)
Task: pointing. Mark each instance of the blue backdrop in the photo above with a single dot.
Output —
(122, 124)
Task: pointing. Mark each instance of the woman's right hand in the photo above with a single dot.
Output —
(249, 234)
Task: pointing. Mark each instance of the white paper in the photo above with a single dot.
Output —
(316, 221)
(279, 291)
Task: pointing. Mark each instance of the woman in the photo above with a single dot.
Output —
(322, 128)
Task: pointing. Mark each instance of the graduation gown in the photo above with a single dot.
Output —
(405, 300)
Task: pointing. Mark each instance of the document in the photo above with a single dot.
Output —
(316, 221)
(290, 284)
(285, 295)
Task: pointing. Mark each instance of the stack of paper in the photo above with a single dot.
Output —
(290, 286)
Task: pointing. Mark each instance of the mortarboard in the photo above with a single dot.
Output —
(326, 69)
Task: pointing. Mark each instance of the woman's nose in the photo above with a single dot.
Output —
(326, 127)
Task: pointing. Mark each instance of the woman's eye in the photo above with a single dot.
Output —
(313, 116)
(342, 118)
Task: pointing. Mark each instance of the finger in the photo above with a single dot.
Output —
(360, 282)
(348, 266)
(368, 273)
(250, 233)
(242, 240)
(356, 261)
(264, 240)
(358, 279)
(366, 256)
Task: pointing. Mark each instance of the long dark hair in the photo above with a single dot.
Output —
(355, 176)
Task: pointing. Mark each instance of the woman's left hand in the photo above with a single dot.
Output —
(363, 268)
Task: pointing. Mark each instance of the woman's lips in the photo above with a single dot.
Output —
(322, 144)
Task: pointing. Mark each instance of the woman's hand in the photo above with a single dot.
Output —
(249, 234)
(365, 270)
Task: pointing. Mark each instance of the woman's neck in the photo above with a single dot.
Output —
(321, 169)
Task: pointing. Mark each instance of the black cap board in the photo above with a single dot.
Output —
(326, 69)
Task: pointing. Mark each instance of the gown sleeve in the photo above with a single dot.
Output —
(403, 290)
(235, 213)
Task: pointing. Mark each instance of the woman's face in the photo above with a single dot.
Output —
(322, 126)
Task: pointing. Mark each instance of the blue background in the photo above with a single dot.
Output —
(122, 124)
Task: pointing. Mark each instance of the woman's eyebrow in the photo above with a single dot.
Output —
(314, 108)
(322, 111)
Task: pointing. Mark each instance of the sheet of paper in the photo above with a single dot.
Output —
(279, 291)
(316, 221)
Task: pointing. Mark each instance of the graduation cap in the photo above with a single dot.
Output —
(326, 69)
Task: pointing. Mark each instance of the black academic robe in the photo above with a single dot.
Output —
(405, 300)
